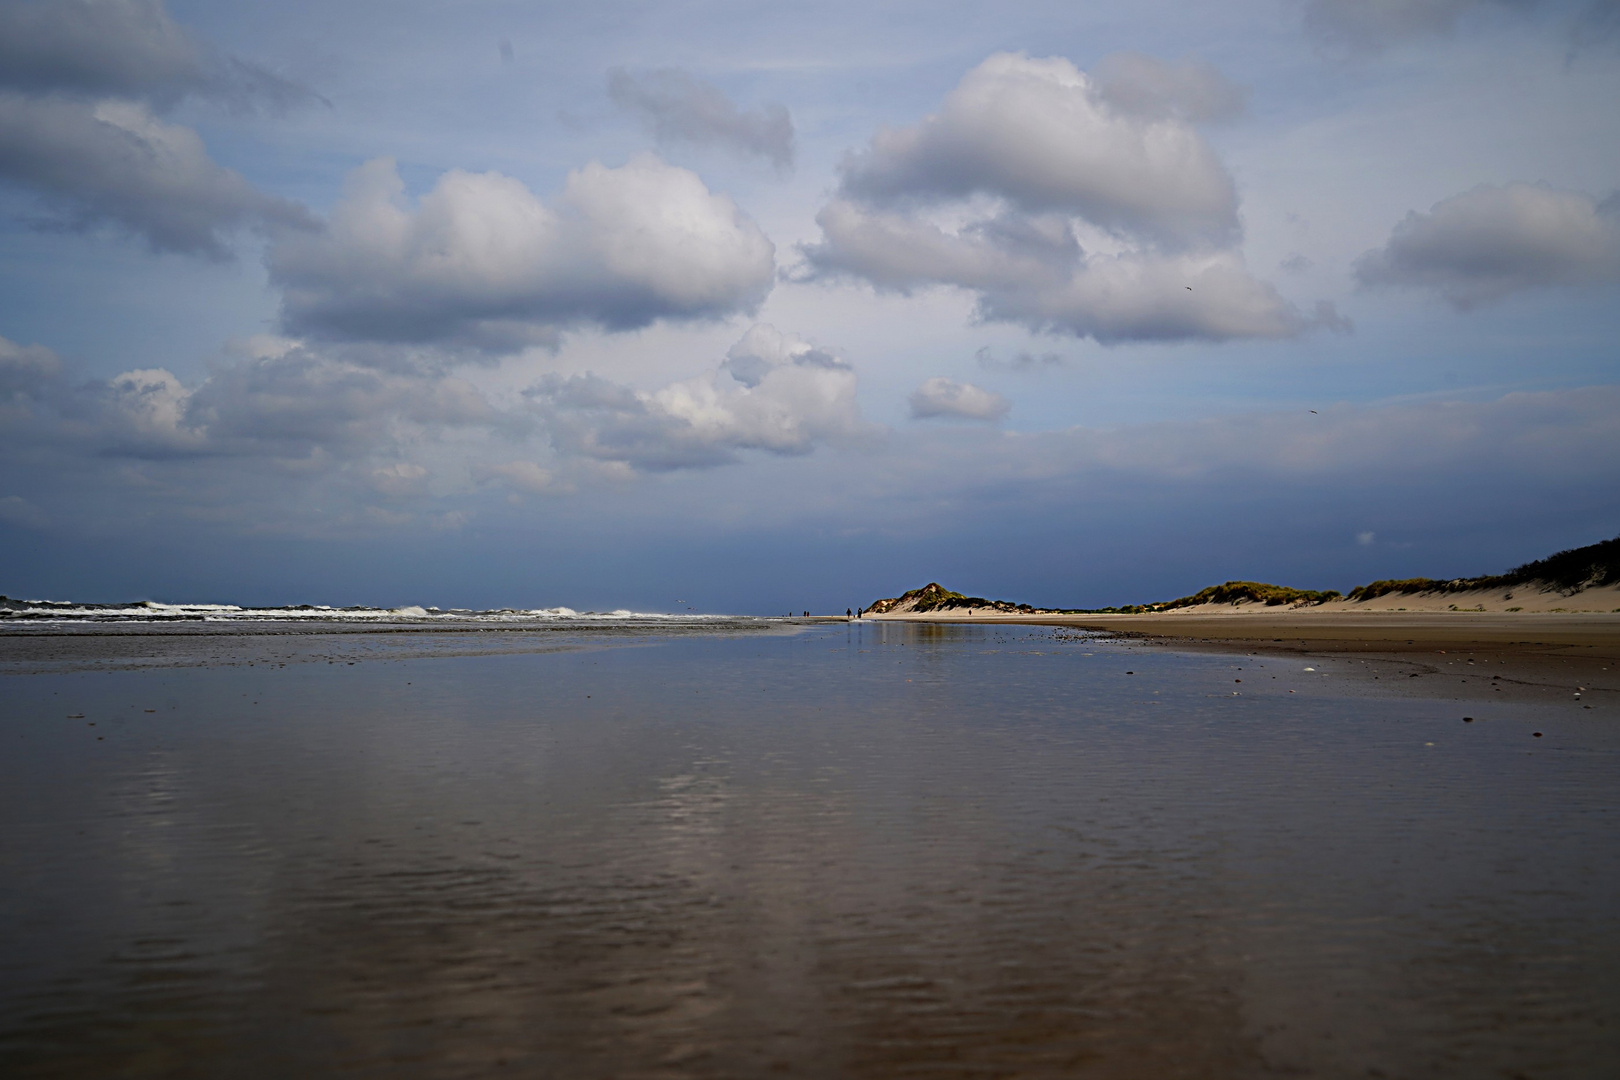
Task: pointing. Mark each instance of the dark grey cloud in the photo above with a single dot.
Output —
(322, 419)
(136, 414)
(677, 107)
(773, 393)
(302, 444)
(127, 49)
(282, 440)
(279, 402)
(1068, 203)
(122, 48)
(947, 398)
(481, 262)
(1491, 241)
(294, 402)
(81, 85)
(115, 162)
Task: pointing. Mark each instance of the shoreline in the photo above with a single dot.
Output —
(1570, 659)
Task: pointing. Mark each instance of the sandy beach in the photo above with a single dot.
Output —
(1573, 658)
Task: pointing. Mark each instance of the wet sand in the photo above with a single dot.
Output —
(859, 851)
(1567, 658)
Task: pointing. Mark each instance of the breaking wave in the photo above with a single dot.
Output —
(151, 611)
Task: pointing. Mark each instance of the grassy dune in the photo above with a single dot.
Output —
(1596, 566)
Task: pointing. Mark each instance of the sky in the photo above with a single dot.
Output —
(770, 308)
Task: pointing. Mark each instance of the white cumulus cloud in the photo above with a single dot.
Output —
(1067, 203)
(1040, 133)
(773, 393)
(153, 401)
(963, 401)
(481, 261)
(1485, 243)
(1141, 296)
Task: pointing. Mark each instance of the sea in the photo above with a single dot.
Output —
(419, 843)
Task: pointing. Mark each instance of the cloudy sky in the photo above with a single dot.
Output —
(781, 307)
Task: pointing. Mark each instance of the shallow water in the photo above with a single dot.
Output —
(862, 851)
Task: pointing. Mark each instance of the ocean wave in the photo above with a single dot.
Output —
(152, 611)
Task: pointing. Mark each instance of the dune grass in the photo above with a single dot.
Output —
(1567, 571)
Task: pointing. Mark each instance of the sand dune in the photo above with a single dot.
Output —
(1531, 598)
(1585, 579)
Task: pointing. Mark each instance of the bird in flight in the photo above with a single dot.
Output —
(1313, 410)
(1189, 288)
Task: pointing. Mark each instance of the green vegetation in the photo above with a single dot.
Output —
(1577, 568)
(1405, 586)
(1249, 592)
(930, 596)
(1232, 592)
(935, 597)
(1567, 571)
